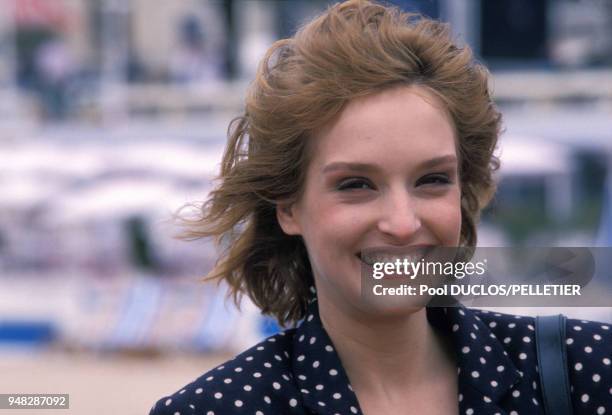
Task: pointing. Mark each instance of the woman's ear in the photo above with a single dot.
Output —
(287, 218)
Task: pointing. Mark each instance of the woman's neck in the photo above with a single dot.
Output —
(385, 356)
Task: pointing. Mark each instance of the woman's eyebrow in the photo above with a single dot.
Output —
(366, 167)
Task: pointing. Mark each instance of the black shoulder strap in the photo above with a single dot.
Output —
(552, 362)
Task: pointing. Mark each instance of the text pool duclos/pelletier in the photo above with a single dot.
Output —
(480, 290)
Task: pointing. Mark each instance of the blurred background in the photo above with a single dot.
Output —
(113, 114)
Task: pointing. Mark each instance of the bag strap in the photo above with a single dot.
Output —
(552, 361)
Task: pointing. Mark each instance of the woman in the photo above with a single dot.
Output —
(369, 129)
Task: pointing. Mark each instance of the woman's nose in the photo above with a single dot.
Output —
(399, 218)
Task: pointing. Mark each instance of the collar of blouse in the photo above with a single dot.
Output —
(325, 387)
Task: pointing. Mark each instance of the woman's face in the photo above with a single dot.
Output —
(383, 174)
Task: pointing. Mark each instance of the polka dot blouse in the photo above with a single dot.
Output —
(298, 371)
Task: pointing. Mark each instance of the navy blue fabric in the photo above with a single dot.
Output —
(552, 362)
(299, 372)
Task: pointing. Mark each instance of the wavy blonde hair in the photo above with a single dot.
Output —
(353, 49)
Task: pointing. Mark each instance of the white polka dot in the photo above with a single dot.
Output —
(455, 327)
(584, 398)
(461, 312)
(210, 378)
(569, 341)
(272, 340)
(353, 409)
(605, 327)
(577, 328)
(218, 395)
(249, 358)
(182, 391)
(319, 387)
(267, 399)
(238, 403)
(247, 388)
(511, 325)
(207, 413)
(473, 336)
(313, 340)
(530, 327)
(260, 348)
(333, 372)
(301, 358)
(516, 393)
(168, 402)
(301, 377)
(301, 339)
(513, 413)
(328, 348)
(523, 356)
(469, 411)
(494, 383)
(578, 366)
(315, 364)
(526, 339)
(507, 340)
(487, 348)
(259, 413)
(286, 377)
(601, 410)
(337, 395)
(465, 349)
(535, 401)
(238, 369)
(228, 380)
(276, 385)
(482, 360)
(199, 390)
(500, 368)
(486, 399)
(475, 374)
(256, 375)
(310, 317)
(321, 403)
(596, 336)
(588, 349)
(293, 402)
(460, 397)
(221, 367)
(268, 364)
(606, 361)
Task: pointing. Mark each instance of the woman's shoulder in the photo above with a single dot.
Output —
(258, 379)
(588, 345)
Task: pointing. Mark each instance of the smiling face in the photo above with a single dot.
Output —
(382, 174)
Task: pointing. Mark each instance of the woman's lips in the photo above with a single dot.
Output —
(413, 253)
(368, 269)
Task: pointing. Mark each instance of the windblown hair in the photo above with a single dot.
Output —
(354, 49)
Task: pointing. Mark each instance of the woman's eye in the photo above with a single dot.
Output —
(436, 179)
(354, 184)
